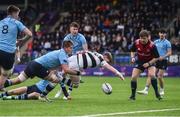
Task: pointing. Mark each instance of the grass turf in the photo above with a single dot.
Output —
(89, 99)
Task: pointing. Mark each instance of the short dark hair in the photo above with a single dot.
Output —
(11, 9)
(67, 44)
(162, 30)
(74, 24)
(144, 33)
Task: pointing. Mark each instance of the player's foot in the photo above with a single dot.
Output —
(58, 94)
(132, 98)
(142, 92)
(44, 99)
(161, 92)
(67, 98)
(159, 97)
(81, 81)
(8, 98)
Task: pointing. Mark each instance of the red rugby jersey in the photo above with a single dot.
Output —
(145, 52)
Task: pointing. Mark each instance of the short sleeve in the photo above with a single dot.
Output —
(63, 58)
(168, 45)
(83, 40)
(67, 37)
(20, 26)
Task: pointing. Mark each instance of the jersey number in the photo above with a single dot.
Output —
(5, 29)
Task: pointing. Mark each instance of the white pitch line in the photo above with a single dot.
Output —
(130, 112)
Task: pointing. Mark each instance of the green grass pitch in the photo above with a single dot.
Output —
(89, 99)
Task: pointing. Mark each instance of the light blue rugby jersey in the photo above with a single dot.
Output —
(42, 84)
(77, 40)
(162, 46)
(53, 59)
(9, 28)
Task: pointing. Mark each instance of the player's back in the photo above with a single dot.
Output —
(9, 28)
(90, 60)
(53, 59)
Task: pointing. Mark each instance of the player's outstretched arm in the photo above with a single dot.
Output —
(115, 71)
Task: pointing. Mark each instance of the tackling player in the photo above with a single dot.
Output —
(41, 66)
(90, 60)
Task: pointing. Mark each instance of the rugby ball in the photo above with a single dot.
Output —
(106, 88)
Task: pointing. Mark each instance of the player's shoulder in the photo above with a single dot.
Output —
(81, 35)
(67, 37)
(167, 41)
(156, 40)
(61, 52)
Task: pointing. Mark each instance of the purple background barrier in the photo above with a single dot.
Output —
(173, 71)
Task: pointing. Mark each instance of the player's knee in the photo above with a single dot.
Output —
(35, 94)
(160, 75)
(22, 77)
(152, 76)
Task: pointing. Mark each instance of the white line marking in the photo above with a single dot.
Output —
(130, 112)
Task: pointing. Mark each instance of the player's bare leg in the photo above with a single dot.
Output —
(161, 81)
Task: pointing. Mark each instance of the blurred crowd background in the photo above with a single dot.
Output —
(108, 25)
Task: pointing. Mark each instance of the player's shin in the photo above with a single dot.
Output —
(133, 88)
(63, 87)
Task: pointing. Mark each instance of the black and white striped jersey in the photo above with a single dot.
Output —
(90, 59)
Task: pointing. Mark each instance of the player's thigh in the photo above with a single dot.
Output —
(6, 60)
(35, 69)
(160, 73)
(152, 71)
(75, 78)
(135, 73)
(33, 88)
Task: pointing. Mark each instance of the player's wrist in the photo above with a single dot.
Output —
(149, 64)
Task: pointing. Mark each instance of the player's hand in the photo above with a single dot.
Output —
(120, 76)
(145, 65)
(133, 60)
(161, 58)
